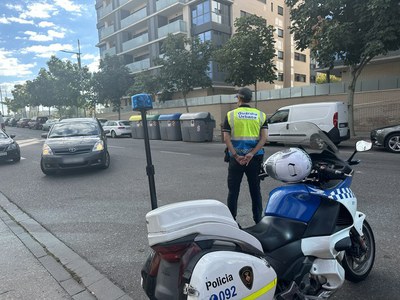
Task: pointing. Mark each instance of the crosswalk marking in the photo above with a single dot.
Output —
(28, 142)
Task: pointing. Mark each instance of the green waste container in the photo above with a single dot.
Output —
(197, 127)
(170, 127)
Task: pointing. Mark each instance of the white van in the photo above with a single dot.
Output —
(330, 117)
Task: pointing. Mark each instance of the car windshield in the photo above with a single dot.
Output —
(60, 130)
(125, 123)
(307, 135)
(3, 136)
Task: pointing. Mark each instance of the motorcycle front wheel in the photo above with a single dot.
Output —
(357, 263)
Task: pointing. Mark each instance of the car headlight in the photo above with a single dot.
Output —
(379, 131)
(12, 146)
(99, 146)
(46, 150)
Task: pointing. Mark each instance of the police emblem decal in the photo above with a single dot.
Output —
(246, 275)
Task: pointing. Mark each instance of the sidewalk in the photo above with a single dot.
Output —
(35, 265)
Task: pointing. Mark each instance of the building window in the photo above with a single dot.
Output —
(272, 7)
(201, 13)
(220, 13)
(280, 76)
(263, 1)
(244, 13)
(299, 57)
(280, 54)
(280, 32)
(280, 10)
(204, 36)
(299, 77)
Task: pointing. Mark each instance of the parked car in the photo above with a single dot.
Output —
(102, 121)
(23, 122)
(388, 137)
(50, 122)
(37, 122)
(13, 122)
(9, 149)
(118, 128)
(73, 144)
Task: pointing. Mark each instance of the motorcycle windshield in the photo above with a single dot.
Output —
(307, 135)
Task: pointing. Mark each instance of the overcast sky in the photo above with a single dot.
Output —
(31, 31)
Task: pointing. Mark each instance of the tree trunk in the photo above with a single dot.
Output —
(255, 91)
(350, 98)
(186, 105)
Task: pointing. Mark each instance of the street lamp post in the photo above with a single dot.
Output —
(78, 56)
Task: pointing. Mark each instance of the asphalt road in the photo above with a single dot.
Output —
(101, 214)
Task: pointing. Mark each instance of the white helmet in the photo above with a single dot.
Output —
(290, 165)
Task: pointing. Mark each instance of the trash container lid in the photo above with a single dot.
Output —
(152, 117)
(169, 117)
(135, 118)
(196, 116)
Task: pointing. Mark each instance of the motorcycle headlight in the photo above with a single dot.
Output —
(12, 146)
(46, 150)
(99, 146)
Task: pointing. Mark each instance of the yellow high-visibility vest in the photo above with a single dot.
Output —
(245, 123)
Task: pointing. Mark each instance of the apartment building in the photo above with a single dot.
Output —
(136, 29)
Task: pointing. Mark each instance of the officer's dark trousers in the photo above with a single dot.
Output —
(235, 175)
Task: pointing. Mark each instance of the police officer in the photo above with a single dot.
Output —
(245, 133)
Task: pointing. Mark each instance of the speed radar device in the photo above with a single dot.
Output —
(142, 102)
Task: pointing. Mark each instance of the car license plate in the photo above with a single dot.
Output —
(3, 153)
(73, 160)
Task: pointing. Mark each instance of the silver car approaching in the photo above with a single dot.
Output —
(118, 128)
(388, 137)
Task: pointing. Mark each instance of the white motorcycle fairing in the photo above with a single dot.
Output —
(205, 217)
(231, 275)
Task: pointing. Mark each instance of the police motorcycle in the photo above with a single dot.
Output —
(311, 238)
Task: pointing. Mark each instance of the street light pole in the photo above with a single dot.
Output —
(78, 56)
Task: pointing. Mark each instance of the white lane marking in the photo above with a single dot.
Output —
(28, 143)
(116, 147)
(179, 153)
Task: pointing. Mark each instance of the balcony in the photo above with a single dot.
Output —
(175, 27)
(106, 31)
(122, 2)
(112, 51)
(139, 65)
(133, 18)
(161, 4)
(136, 42)
(105, 11)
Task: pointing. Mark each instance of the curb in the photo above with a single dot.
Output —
(76, 276)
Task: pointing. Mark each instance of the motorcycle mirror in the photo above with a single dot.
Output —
(363, 146)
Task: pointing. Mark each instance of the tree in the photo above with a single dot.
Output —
(185, 65)
(66, 81)
(353, 31)
(21, 97)
(248, 56)
(324, 78)
(145, 82)
(112, 82)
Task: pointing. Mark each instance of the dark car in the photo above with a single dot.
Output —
(9, 149)
(37, 122)
(388, 137)
(74, 144)
(13, 122)
(50, 122)
(23, 122)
